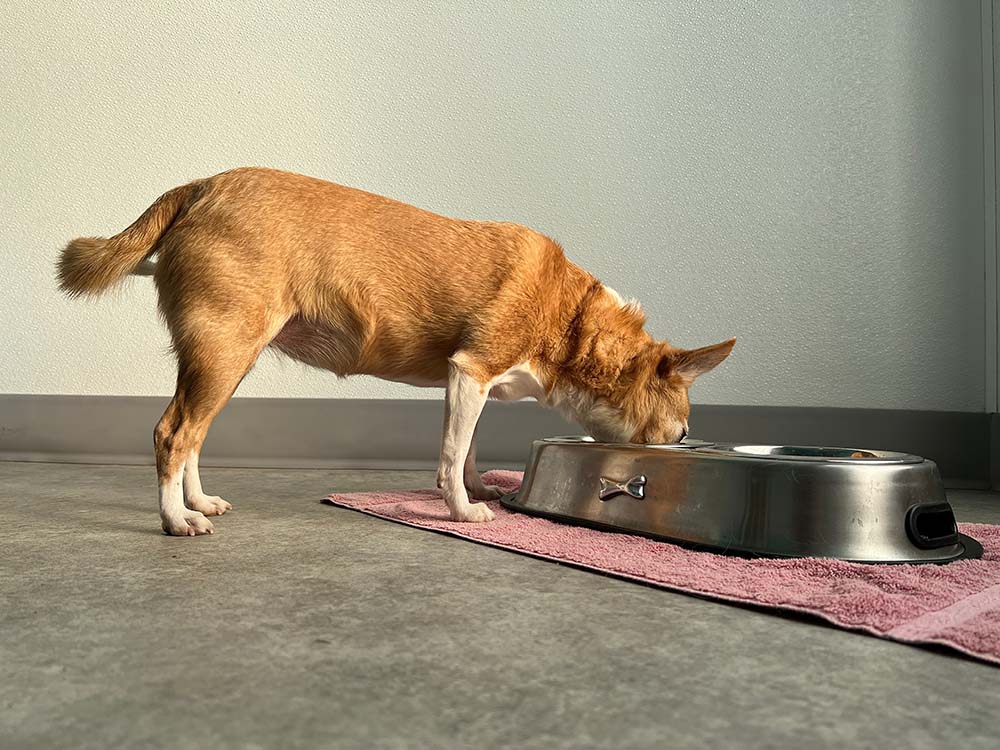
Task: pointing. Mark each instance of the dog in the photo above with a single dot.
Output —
(353, 282)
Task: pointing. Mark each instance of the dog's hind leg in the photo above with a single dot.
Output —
(194, 495)
(214, 354)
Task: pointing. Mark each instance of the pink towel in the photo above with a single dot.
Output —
(955, 605)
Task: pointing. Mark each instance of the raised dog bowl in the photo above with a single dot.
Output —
(752, 500)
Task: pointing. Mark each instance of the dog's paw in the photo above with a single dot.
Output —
(209, 505)
(473, 513)
(188, 523)
(486, 492)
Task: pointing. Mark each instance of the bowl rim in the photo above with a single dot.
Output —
(757, 451)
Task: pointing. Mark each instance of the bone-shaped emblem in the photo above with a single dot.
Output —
(634, 487)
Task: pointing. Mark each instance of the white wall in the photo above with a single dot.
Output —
(806, 176)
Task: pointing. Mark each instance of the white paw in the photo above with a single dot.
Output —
(486, 492)
(210, 505)
(188, 523)
(473, 513)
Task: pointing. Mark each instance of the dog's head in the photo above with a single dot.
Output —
(655, 405)
(624, 386)
(648, 401)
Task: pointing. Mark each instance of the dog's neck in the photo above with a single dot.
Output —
(595, 338)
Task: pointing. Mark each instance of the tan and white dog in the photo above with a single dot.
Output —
(356, 283)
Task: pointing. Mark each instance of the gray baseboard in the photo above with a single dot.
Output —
(359, 433)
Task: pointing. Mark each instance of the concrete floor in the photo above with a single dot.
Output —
(302, 625)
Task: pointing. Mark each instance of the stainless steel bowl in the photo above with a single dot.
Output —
(757, 500)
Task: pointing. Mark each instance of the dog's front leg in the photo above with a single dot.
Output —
(473, 480)
(465, 399)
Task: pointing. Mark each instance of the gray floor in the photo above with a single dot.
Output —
(302, 625)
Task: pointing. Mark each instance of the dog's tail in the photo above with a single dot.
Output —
(91, 265)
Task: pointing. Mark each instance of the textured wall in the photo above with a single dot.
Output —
(806, 176)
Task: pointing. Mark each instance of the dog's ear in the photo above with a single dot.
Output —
(687, 364)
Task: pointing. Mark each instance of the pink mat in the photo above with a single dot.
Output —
(955, 605)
